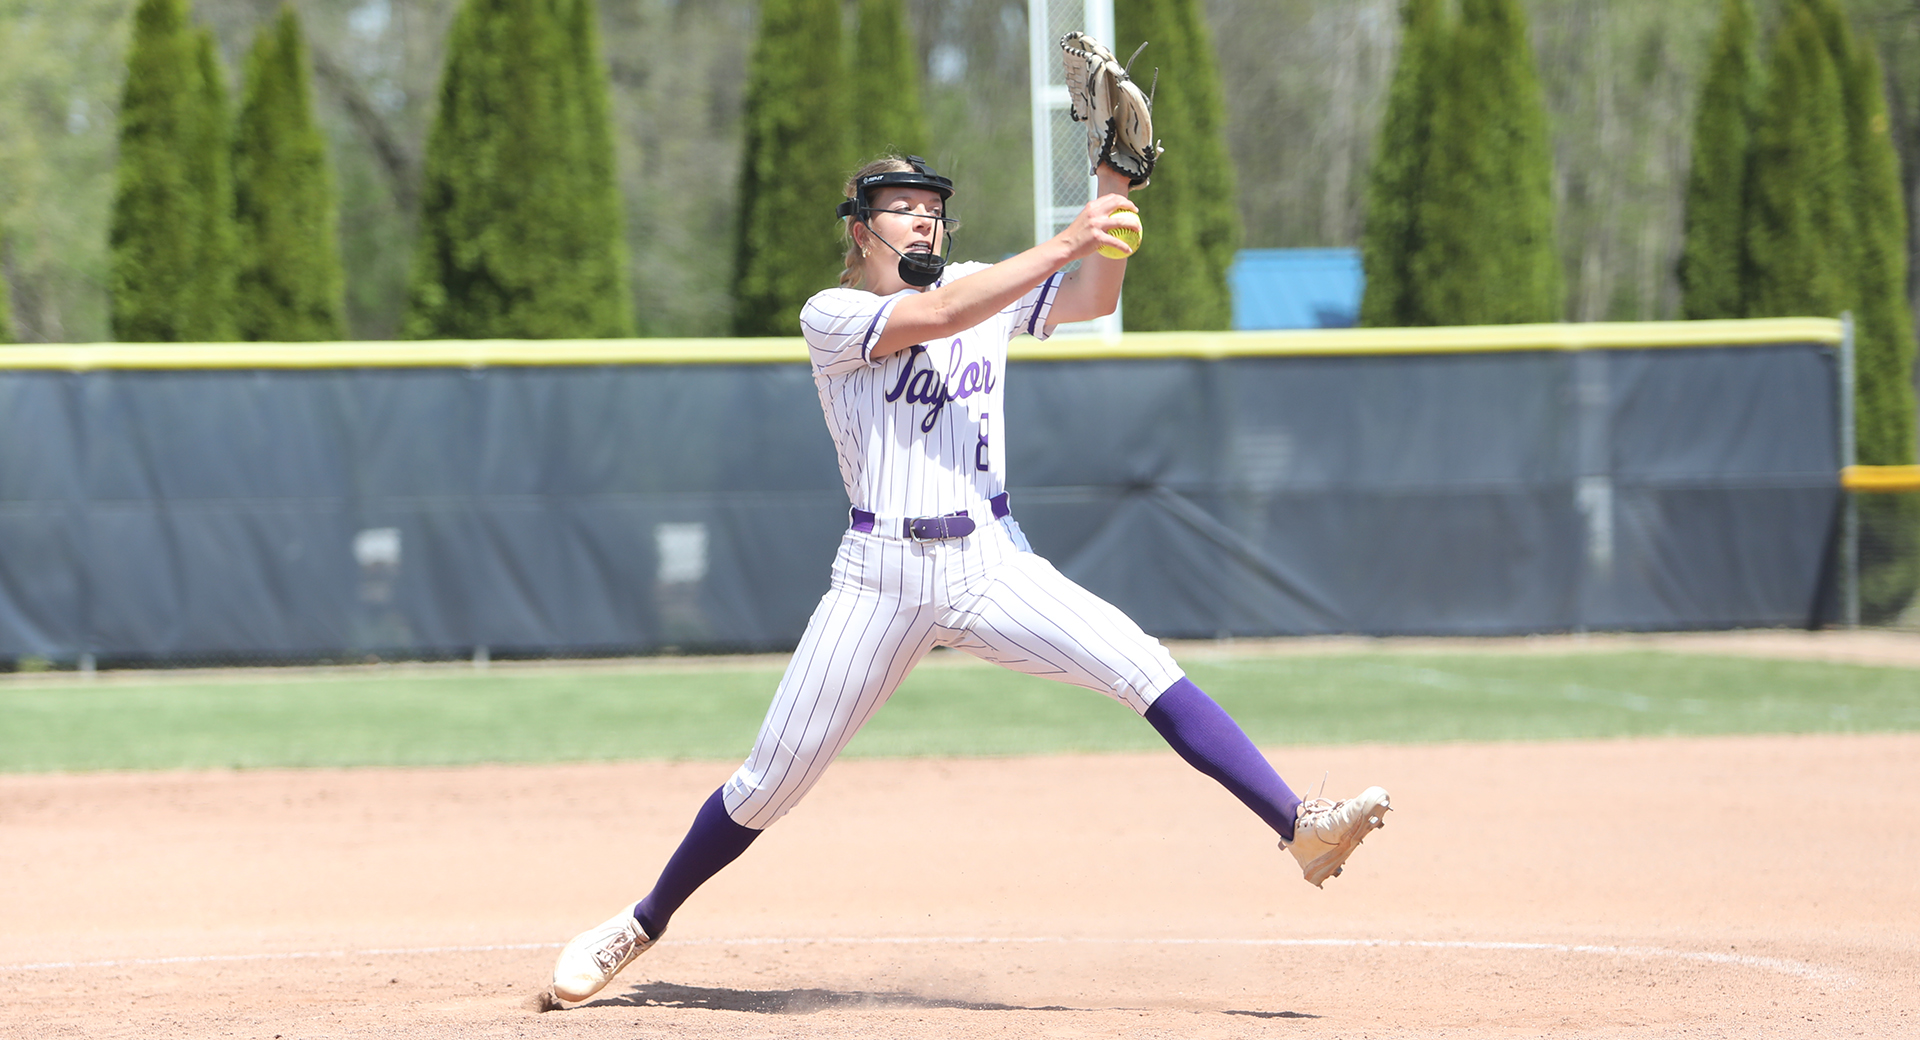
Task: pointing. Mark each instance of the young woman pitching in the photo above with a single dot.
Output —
(909, 356)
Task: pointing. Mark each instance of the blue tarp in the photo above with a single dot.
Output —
(1295, 288)
(288, 513)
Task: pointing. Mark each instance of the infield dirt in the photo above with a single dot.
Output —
(1731, 887)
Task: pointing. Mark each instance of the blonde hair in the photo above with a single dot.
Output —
(852, 272)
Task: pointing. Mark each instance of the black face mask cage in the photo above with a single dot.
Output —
(919, 268)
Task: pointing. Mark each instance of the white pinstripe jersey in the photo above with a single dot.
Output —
(919, 432)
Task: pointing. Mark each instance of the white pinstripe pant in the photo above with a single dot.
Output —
(891, 601)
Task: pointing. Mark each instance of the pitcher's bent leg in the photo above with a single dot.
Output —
(863, 639)
(711, 843)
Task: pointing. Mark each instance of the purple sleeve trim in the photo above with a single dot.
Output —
(874, 327)
(1043, 305)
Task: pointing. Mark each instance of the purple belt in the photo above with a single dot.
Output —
(928, 528)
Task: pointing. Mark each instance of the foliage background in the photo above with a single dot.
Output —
(799, 147)
(519, 234)
(290, 279)
(172, 234)
(1305, 83)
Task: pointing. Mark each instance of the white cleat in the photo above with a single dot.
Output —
(1325, 833)
(596, 955)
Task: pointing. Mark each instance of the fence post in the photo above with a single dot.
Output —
(1850, 514)
(1059, 144)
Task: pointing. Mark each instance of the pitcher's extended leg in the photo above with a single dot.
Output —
(1029, 617)
(1208, 738)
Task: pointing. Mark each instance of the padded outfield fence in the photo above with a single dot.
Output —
(175, 503)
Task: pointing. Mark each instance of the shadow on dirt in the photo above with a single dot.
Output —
(792, 1001)
(809, 1001)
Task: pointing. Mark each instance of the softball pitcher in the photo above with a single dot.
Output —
(909, 356)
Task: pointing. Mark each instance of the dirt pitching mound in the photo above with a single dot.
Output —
(1736, 887)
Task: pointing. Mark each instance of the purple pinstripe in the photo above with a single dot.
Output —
(978, 594)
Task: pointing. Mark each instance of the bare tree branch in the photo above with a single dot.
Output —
(401, 166)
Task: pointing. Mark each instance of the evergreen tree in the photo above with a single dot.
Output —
(1390, 237)
(1884, 338)
(1800, 224)
(1713, 253)
(520, 230)
(597, 178)
(291, 285)
(1215, 194)
(1883, 325)
(794, 166)
(172, 236)
(211, 156)
(1485, 212)
(1883, 334)
(1167, 268)
(1179, 280)
(886, 84)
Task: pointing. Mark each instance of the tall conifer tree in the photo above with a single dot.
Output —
(291, 286)
(798, 154)
(1391, 237)
(1179, 280)
(1460, 198)
(886, 84)
(597, 180)
(171, 234)
(1215, 194)
(1168, 271)
(1485, 214)
(520, 233)
(211, 155)
(1883, 324)
(1713, 253)
(1883, 335)
(1800, 226)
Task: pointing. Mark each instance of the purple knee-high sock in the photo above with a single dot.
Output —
(712, 842)
(1208, 738)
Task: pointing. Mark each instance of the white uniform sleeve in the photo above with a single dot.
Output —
(841, 327)
(1026, 316)
(1030, 312)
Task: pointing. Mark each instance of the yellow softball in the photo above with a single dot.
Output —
(1128, 232)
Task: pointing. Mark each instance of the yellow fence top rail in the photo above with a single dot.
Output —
(1453, 339)
(1465, 339)
(1880, 479)
(465, 353)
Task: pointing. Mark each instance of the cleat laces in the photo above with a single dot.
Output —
(614, 954)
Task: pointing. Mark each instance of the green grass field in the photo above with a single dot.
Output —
(950, 706)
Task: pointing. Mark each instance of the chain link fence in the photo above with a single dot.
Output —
(1881, 547)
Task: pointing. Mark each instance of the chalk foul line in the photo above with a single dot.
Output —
(1779, 965)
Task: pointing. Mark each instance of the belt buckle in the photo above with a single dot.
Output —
(940, 528)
